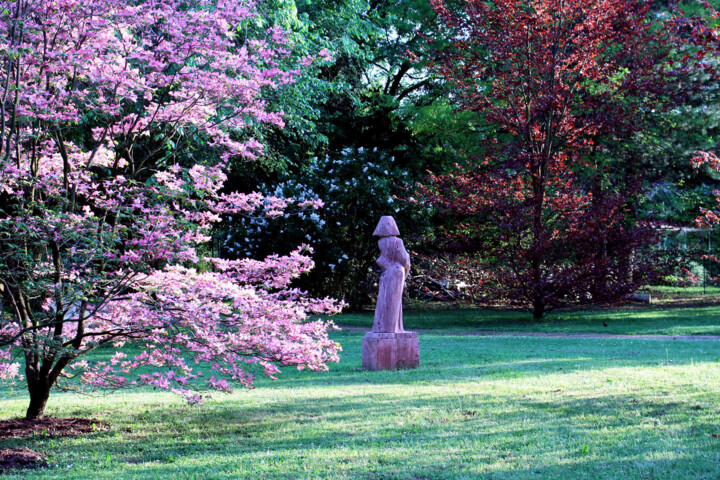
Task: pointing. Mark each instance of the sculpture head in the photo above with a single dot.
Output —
(386, 227)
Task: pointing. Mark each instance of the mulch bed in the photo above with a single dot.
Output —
(49, 427)
(22, 458)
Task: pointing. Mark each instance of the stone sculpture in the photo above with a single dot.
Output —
(389, 346)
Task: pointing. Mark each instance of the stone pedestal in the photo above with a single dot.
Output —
(390, 351)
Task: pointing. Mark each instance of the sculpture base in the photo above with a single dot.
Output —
(390, 351)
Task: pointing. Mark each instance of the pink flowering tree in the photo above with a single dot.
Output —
(104, 214)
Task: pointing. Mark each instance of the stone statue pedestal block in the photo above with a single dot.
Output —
(390, 351)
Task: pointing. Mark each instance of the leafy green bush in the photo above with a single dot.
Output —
(358, 186)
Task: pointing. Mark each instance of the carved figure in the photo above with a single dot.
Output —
(389, 346)
(395, 264)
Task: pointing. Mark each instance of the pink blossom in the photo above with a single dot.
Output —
(325, 54)
(108, 246)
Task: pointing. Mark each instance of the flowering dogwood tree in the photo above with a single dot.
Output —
(102, 210)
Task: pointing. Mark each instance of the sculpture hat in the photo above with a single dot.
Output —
(386, 228)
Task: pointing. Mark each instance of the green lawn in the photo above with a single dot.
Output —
(681, 292)
(478, 407)
(647, 320)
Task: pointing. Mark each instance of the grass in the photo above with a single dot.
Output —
(648, 320)
(477, 408)
(668, 295)
(679, 292)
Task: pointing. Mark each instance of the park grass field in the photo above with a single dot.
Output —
(629, 320)
(477, 408)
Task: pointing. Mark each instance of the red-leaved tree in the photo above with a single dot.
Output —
(103, 208)
(703, 35)
(553, 79)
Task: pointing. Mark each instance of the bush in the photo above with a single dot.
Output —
(358, 186)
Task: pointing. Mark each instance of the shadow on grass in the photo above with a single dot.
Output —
(422, 437)
(494, 407)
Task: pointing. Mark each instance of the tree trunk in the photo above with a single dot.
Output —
(538, 292)
(39, 394)
(538, 309)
